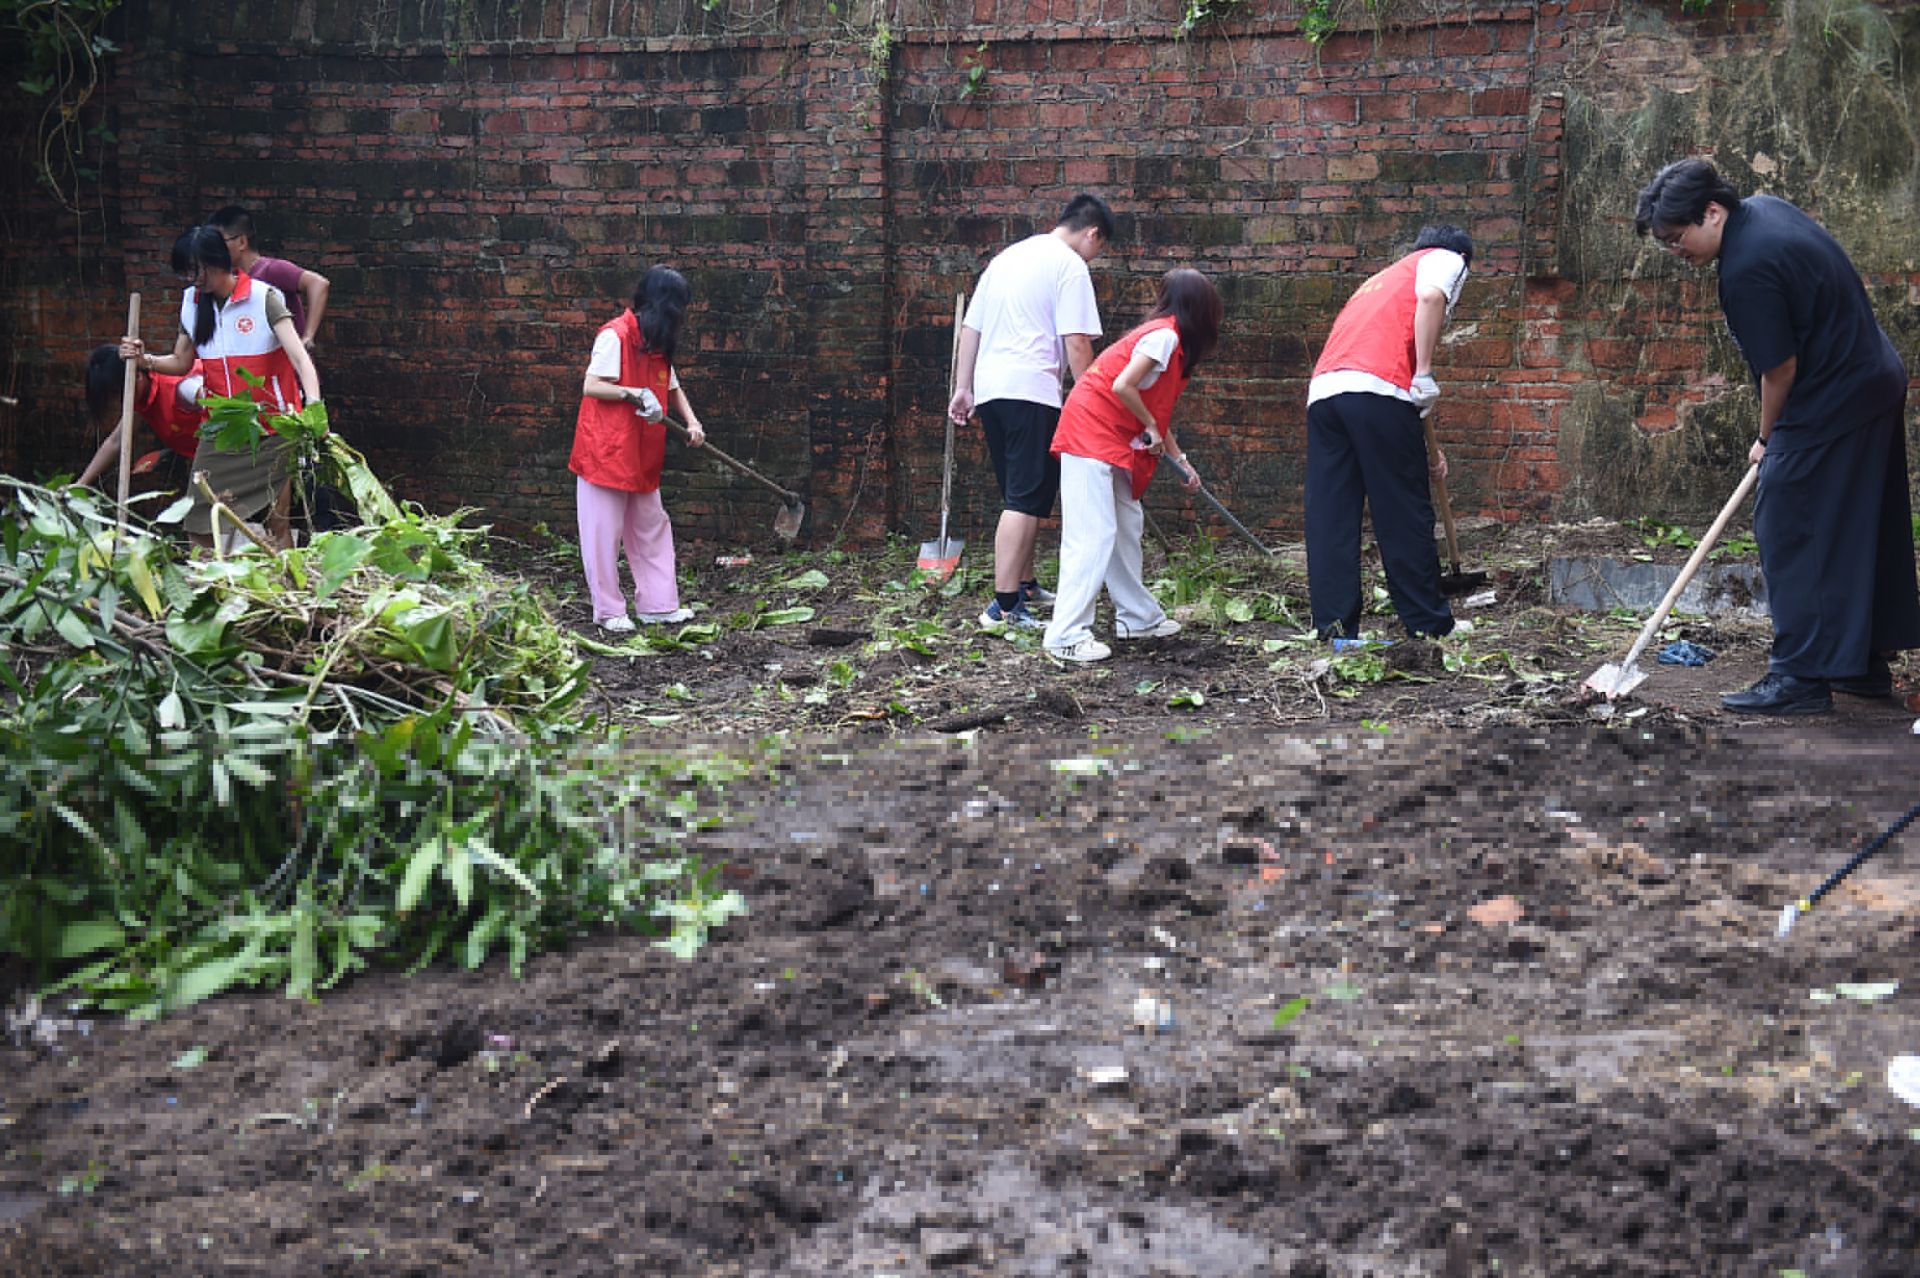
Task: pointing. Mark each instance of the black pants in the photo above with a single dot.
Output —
(1835, 529)
(1370, 449)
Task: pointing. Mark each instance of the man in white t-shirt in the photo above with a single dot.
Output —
(1033, 308)
(1366, 444)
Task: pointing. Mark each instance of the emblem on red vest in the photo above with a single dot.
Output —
(245, 324)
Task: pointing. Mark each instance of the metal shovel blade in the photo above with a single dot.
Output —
(1612, 681)
(938, 558)
(786, 524)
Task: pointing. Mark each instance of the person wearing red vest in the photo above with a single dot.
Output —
(229, 323)
(1113, 430)
(1365, 443)
(168, 406)
(619, 443)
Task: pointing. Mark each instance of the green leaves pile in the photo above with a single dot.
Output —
(275, 769)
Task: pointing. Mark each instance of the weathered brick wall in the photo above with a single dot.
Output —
(483, 182)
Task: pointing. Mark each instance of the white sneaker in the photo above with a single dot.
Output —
(1088, 649)
(620, 625)
(1164, 628)
(673, 618)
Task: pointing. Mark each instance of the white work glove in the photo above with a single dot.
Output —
(647, 405)
(1425, 391)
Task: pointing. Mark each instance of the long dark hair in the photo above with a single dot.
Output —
(1194, 303)
(106, 381)
(660, 302)
(208, 248)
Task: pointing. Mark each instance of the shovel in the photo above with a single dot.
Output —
(1618, 680)
(1224, 513)
(126, 411)
(938, 559)
(1792, 913)
(786, 524)
(1454, 582)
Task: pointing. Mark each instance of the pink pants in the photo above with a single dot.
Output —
(609, 518)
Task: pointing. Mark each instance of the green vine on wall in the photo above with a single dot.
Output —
(1200, 12)
(60, 44)
(975, 65)
(1320, 19)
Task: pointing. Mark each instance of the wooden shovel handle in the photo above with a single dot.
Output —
(1694, 561)
(953, 380)
(1440, 491)
(792, 498)
(126, 410)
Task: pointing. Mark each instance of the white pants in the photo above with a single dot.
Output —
(1100, 524)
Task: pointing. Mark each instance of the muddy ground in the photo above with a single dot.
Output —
(1167, 966)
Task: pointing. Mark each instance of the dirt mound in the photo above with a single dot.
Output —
(925, 1051)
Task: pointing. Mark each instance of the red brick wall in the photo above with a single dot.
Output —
(483, 202)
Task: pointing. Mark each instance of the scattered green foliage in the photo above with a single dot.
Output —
(260, 768)
(192, 1058)
(1187, 699)
(84, 1182)
(1290, 1011)
(921, 988)
(1357, 669)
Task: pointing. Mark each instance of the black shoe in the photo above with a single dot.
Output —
(1876, 684)
(1781, 694)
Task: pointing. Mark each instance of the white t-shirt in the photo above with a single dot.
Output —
(1031, 296)
(605, 361)
(1158, 346)
(1443, 269)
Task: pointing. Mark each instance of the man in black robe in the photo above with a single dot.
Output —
(1832, 517)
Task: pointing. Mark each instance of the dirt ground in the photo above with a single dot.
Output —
(1165, 966)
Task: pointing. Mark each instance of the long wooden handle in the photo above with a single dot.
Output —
(953, 381)
(1694, 561)
(791, 498)
(126, 410)
(1440, 491)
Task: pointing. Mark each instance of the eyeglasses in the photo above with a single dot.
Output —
(1673, 242)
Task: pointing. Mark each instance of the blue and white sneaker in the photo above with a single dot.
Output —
(996, 621)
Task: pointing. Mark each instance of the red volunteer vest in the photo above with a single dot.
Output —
(613, 446)
(177, 424)
(1095, 424)
(242, 338)
(1374, 333)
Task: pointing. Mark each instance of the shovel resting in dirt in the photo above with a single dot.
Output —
(1453, 582)
(793, 511)
(1613, 680)
(939, 558)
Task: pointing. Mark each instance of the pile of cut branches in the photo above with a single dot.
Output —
(258, 767)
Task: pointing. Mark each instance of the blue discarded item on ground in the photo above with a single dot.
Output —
(1360, 645)
(1683, 653)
